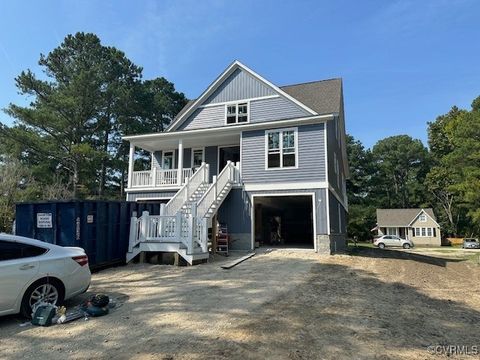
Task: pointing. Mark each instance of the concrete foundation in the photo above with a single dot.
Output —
(331, 244)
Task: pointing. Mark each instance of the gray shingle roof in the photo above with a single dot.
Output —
(322, 96)
(399, 217)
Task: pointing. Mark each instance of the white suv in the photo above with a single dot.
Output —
(33, 271)
(392, 241)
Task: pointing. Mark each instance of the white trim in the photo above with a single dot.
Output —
(286, 186)
(237, 104)
(241, 153)
(327, 194)
(173, 159)
(314, 213)
(415, 218)
(227, 72)
(276, 88)
(238, 101)
(261, 125)
(153, 188)
(218, 155)
(155, 198)
(196, 149)
(280, 144)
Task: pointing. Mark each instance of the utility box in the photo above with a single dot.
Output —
(101, 228)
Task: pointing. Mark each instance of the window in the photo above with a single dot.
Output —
(197, 158)
(422, 218)
(237, 113)
(168, 160)
(281, 148)
(12, 250)
(391, 231)
(425, 232)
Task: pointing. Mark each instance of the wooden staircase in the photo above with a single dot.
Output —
(183, 223)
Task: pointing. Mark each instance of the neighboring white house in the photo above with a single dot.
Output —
(270, 162)
(418, 225)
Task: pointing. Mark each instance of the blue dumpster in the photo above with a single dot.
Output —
(100, 227)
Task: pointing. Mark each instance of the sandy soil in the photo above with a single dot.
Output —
(284, 304)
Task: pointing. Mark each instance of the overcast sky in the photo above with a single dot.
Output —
(402, 62)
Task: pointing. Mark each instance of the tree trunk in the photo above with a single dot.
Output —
(103, 166)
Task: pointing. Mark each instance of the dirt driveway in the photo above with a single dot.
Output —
(285, 304)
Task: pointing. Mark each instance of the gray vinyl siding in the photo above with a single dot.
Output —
(320, 204)
(211, 154)
(235, 212)
(157, 159)
(338, 216)
(274, 109)
(187, 153)
(150, 195)
(261, 110)
(311, 157)
(239, 85)
(208, 117)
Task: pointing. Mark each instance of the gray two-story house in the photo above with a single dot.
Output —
(267, 162)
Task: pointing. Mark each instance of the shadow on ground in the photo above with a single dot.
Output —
(267, 307)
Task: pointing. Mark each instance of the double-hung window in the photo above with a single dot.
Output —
(237, 113)
(281, 146)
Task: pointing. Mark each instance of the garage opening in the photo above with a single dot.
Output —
(284, 221)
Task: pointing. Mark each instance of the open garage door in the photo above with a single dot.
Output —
(284, 221)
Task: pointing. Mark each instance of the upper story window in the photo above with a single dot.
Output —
(237, 113)
(281, 146)
(422, 218)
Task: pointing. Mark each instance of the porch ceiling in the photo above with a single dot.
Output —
(189, 141)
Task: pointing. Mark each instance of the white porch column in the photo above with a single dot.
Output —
(180, 162)
(131, 160)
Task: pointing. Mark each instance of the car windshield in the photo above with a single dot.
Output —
(471, 240)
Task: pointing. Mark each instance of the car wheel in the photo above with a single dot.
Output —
(44, 290)
(381, 246)
(406, 246)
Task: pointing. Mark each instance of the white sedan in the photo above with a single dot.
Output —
(33, 271)
(393, 241)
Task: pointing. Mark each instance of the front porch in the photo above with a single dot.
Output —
(174, 160)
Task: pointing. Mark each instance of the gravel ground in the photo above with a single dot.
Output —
(282, 304)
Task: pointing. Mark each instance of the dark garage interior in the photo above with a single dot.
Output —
(284, 221)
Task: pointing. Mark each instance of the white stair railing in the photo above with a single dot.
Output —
(229, 175)
(186, 191)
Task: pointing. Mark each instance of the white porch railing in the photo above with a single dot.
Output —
(189, 229)
(159, 177)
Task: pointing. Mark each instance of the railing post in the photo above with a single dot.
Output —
(178, 226)
(131, 161)
(132, 240)
(190, 224)
(180, 162)
(204, 235)
(154, 176)
(206, 173)
(214, 187)
(144, 221)
(161, 220)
